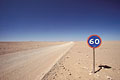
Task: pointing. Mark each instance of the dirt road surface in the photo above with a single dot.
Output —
(31, 64)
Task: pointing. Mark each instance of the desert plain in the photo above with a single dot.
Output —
(59, 61)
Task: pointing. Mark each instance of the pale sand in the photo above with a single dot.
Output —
(77, 64)
(31, 64)
(11, 47)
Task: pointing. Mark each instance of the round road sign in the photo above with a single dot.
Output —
(94, 41)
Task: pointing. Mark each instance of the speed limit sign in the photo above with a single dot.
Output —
(94, 41)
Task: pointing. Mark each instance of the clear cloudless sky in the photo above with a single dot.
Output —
(59, 20)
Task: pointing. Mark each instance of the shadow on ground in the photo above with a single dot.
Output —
(103, 67)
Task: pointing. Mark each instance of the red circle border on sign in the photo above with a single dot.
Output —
(94, 35)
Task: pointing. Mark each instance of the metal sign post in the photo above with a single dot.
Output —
(94, 41)
(93, 60)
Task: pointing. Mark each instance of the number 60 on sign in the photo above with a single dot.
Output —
(94, 41)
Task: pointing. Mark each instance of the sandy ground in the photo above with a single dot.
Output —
(11, 47)
(77, 64)
(31, 64)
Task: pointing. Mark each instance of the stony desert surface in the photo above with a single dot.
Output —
(59, 61)
(77, 64)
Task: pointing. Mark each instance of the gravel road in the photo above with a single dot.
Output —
(31, 64)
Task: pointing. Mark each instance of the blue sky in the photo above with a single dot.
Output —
(59, 20)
